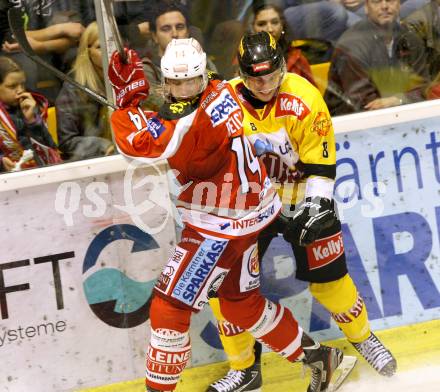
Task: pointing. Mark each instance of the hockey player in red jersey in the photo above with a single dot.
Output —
(227, 200)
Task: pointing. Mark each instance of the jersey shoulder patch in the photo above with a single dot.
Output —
(214, 76)
(221, 107)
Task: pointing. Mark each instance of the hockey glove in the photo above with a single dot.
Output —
(128, 79)
(311, 216)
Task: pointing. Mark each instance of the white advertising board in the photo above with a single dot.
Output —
(76, 275)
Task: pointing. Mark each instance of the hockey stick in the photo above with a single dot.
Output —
(336, 91)
(16, 22)
(108, 5)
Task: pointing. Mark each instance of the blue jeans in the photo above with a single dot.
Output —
(321, 20)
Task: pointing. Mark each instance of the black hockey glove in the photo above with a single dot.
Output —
(311, 216)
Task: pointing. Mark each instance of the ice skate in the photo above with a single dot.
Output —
(247, 380)
(377, 355)
(329, 368)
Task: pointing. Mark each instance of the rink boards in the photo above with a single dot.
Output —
(84, 242)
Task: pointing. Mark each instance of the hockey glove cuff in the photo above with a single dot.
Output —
(311, 216)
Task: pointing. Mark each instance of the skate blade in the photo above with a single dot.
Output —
(342, 372)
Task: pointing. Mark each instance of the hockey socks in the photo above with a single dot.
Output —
(170, 349)
(346, 306)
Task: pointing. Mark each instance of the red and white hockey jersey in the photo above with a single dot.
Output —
(226, 191)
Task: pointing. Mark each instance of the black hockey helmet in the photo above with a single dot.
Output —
(259, 54)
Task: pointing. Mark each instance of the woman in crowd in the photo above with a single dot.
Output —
(83, 126)
(24, 139)
(269, 18)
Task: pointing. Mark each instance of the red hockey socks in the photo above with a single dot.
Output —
(170, 349)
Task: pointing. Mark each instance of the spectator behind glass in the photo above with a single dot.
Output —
(270, 18)
(24, 139)
(83, 126)
(169, 21)
(377, 63)
(131, 18)
(318, 19)
(222, 25)
(356, 9)
(425, 22)
(54, 29)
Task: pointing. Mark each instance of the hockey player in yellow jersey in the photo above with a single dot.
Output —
(287, 121)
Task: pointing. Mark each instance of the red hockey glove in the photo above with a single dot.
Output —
(128, 79)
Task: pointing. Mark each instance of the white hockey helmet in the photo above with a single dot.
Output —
(184, 59)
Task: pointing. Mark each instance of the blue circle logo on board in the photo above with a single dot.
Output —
(114, 297)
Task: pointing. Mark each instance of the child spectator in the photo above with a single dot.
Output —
(24, 139)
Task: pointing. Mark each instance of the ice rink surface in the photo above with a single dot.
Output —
(417, 380)
(416, 348)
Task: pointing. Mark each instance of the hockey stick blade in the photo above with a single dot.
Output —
(16, 23)
(108, 5)
(342, 372)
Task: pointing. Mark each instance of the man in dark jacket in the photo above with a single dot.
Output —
(377, 63)
(425, 22)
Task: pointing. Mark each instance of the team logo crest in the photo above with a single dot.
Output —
(253, 263)
(322, 124)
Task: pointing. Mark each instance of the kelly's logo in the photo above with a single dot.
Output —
(254, 264)
(291, 105)
(325, 250)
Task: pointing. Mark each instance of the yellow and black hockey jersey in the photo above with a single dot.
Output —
(293, 134)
